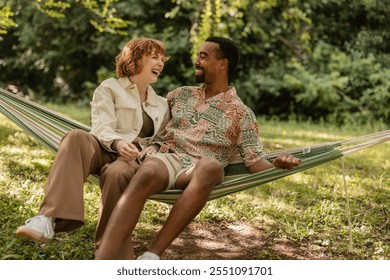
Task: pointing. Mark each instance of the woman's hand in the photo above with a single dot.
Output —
(127, 151)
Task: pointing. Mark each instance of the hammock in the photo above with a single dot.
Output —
(48, 127)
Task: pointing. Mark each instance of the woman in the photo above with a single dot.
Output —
(127, 118)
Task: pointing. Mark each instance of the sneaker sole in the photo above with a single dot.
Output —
(32, 235)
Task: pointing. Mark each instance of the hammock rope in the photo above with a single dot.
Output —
(48, 127)
(350, 238)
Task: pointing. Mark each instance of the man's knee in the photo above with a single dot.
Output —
(151, 174)
(210, 168)
(150, 170)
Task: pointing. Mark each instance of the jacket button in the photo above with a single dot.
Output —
(156, 119)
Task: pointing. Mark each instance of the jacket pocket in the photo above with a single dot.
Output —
(126, 113)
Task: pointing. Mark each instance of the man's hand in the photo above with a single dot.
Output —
(286, 161)
(148, 151)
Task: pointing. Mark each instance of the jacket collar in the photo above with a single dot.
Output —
(152, 98)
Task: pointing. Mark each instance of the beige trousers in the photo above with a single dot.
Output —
(79, 155)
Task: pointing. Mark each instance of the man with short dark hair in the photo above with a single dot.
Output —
(210, 125)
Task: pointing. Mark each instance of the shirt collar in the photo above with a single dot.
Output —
(226, 96)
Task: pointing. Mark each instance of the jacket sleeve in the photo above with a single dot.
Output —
(103, 117)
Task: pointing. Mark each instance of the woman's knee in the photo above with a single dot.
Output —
(119, 168)
(77, 134)
(76, 137)
(117, 174)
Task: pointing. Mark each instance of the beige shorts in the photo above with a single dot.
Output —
(173, 164)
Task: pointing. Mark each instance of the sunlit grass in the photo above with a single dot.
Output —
(77, 112)
(308, 208)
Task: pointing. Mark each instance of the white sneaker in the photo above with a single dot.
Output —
(148, 256)
(40, 228)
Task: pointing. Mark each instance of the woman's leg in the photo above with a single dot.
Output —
(80, 154)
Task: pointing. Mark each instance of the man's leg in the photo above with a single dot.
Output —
(152, 177)
(197, 185)
(114, 179)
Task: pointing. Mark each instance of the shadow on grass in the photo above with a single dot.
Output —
(231, 241)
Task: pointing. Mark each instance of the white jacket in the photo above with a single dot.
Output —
(116, 113)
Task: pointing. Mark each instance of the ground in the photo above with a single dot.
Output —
(231, 241)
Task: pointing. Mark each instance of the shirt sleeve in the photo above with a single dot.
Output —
(249, 144)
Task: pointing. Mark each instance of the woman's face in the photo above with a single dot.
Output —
(151, 66)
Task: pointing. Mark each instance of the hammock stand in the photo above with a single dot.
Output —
(48, 127)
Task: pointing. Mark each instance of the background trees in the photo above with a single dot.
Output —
(309, 59)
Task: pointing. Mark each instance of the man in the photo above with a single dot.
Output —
(210, 125)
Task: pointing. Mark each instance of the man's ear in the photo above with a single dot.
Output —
(224, 64)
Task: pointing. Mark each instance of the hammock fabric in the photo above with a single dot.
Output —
(48, 127)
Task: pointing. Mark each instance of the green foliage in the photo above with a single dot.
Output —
(208, 23)
(6, 21)
(339, 85)
(102, 13)
(52, 8)
(104, 18)
(310, 60)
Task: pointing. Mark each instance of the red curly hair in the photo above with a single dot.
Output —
(127, 61)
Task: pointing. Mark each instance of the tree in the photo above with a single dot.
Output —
(306, 59)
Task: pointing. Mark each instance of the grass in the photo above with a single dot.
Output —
(306, 208)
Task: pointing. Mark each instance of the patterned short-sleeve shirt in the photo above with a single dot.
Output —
(220, 127)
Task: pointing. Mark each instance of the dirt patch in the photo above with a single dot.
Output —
(232, 241)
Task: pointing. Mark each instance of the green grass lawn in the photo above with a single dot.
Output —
(306, 208)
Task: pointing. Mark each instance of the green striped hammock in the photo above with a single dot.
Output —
(48, 127)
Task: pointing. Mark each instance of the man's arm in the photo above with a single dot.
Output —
(284, 161)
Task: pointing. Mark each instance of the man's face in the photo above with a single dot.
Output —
(206, 62)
